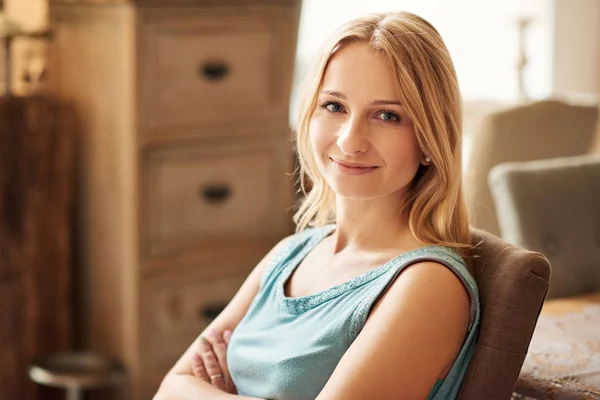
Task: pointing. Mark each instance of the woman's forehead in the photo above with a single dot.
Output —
(358, 71)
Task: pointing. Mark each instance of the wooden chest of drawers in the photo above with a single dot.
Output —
(185, 162)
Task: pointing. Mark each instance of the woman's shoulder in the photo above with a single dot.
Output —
(307, 236)
(446, 264)
(290, 246)
(315, 231)
(449, 257)
(303, 236)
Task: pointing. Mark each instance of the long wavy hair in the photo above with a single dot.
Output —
(428, 88)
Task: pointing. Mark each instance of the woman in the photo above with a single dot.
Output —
(374, 300)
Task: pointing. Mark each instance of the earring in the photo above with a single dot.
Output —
(427, 159)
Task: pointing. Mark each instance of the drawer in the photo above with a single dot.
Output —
(196, 196)
(175, 312)
(213, 70)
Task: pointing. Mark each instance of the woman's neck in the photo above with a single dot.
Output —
(371, 225)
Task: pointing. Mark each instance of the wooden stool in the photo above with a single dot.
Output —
(75, 372)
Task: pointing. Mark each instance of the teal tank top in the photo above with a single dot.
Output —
(287, 348)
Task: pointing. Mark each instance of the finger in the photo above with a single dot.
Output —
(211, 364)
(220, 349)
(198, 368)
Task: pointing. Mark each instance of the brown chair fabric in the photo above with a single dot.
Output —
(513, 283)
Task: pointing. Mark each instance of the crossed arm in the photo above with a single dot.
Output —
(180, 383)
(410, 339)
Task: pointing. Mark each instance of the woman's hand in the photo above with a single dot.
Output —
(210, 362)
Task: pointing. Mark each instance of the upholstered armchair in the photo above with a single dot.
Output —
(538, 130)
(553, 207)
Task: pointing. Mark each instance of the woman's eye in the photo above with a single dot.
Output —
(389, 116)
(333, 107)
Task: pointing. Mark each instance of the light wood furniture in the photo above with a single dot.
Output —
(185, 162)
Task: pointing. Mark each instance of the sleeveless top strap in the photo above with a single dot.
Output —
(439, 254)
(296, 244)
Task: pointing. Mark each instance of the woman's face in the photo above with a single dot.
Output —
(363, 141)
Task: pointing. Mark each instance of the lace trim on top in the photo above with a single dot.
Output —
(298, 305)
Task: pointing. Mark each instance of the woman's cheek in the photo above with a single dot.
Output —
(318, 136)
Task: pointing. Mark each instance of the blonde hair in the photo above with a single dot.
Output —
(428, 89)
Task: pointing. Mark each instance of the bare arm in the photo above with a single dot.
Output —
(188, 387)
(410, 339)
(180, 383)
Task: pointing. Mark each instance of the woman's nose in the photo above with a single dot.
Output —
(351, 138)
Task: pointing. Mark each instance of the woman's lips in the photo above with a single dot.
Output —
(353, 168)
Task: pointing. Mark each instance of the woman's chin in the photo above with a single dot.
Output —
(352, 192)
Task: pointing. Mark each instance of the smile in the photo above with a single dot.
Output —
(353, 168)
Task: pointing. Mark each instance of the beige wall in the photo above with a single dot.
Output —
(576, 55)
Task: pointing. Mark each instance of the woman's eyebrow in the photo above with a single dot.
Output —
(373, 103)
(385, 102)
(334, 94)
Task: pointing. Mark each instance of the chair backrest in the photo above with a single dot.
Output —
(538, 130)
(553, 206)
(512, 283)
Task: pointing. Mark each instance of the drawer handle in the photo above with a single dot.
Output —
(214, 71)
(216, 194)
(211, 312)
